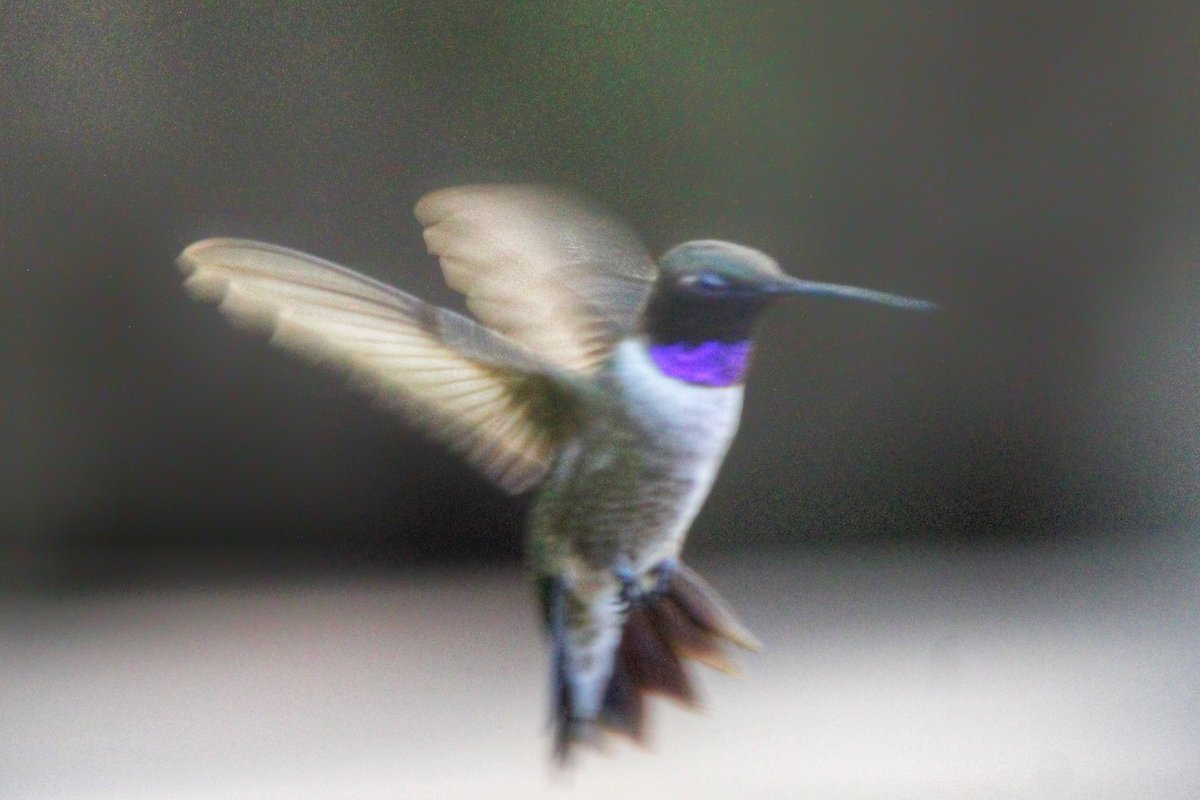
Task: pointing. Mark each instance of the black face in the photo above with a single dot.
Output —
(702, 306)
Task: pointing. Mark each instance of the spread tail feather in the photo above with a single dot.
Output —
(688, 620)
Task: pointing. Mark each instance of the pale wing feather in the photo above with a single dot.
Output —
(489, 398)
(541, 265)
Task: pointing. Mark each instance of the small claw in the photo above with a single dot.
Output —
(663, 572)
(631, 591)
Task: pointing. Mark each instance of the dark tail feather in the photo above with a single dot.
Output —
(688, 621)
(706, 608)
(648, 658)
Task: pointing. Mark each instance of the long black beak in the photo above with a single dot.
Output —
(799, 286)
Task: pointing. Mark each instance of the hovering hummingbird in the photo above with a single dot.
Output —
(608, 382)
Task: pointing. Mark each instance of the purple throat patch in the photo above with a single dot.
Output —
(706, 363)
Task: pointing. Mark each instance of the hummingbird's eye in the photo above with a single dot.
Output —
(705, 282)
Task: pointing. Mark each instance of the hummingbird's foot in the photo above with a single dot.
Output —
(633, 586)
(662, 572)
(631, 589)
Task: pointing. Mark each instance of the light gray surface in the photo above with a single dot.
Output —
(1026, 675)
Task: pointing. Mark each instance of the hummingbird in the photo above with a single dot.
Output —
(607, 382)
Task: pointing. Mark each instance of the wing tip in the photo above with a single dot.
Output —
(241, 253)
(205, 287)
(192, 258)
(433, 206)
(437, 204)
(205, 282)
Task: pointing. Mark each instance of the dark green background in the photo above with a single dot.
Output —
(1033, 167)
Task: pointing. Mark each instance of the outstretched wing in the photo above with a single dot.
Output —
(540, 265)
(489, 398)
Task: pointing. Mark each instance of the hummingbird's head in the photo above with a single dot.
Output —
(711, 270)
(709, 290)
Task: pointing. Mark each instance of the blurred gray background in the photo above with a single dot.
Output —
(1034, 167)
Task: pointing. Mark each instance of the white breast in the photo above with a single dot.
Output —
(694, 424)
